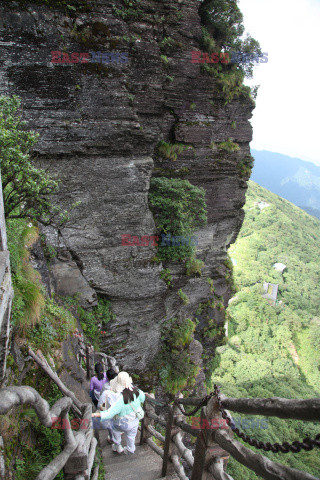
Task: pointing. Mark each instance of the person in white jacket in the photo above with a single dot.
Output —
(107, 396)
(127, 409)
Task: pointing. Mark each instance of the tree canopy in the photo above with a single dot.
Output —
(273, 350)
(224, 22)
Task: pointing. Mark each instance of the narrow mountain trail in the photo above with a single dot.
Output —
(144, 464)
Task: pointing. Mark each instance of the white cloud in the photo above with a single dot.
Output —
(286, 116)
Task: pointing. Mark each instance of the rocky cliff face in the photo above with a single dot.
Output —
(99, 125)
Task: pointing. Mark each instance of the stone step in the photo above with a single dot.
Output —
(144, 464)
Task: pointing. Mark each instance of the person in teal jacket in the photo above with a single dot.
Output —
(125, 412)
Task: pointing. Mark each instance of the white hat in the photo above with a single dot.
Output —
(122, 381)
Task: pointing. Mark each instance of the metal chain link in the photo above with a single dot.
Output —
(201, 404)
(285, 447)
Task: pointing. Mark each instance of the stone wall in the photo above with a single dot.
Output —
(6, 291)
(99, 126)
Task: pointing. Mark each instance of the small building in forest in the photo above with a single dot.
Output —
(270, 292)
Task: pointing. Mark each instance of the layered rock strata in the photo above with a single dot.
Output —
(99, 125)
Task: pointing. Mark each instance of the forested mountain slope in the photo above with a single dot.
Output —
(273, 350)
(292, 178)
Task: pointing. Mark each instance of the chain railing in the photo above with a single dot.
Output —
(215, 443)
(294, 447)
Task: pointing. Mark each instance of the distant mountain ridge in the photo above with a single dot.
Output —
(291, 178)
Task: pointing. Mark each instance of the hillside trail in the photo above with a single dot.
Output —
(144, 464)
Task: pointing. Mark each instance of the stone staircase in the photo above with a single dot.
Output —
(145, 464)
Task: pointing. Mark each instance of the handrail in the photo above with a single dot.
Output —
(41, 361)
(213, 447)
(14, 396)
(216, 444)
(80, 446)
(308, 409)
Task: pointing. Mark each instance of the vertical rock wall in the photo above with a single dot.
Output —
(99, 125)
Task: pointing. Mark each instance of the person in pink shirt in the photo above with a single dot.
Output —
(97, 383)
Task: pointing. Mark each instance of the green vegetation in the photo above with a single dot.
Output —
(210, 281)
(131, 11)
(164, 59)
(208, 43)
(184, 297)
(25, 188)
(95, 36)
(168, 44)
(170, 150)
(179, 208)
(49, 251)
(55, 325)
(273, 350)
(44, 323)
(176, 369)
(245, 167)
(229, 146)
(90, 320)
(93, 321)
(223, 21)
(229, 80)
(28, 300)
(28, 445)
(38, 319)
(166, 276)
(194, 266)
(223, 32)
(98, 460)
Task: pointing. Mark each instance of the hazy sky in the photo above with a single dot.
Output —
(286, 118)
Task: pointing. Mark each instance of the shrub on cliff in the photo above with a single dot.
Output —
(176, 369)
(26, 189)
(179, 208)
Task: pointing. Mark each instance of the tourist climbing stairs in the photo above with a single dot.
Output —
(180, 448)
